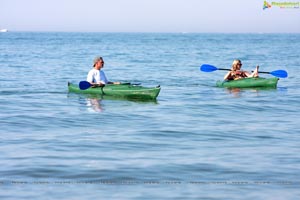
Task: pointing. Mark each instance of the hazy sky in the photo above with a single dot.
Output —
(147, 16)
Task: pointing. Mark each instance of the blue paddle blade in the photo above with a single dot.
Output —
(208, 68)
(83, 85)
(279, 73)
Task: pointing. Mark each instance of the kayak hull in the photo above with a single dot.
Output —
(121, 91)
(249, 83)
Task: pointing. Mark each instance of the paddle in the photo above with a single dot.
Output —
(83, 85)
(211, 68)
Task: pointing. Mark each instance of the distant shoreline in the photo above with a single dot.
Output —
(183, 33)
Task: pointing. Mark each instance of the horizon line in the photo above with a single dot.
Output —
(152, 32)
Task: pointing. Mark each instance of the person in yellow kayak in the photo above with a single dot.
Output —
(237, 73)
(96, 76)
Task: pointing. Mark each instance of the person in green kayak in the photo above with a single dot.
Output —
(237, 73)
(96, 76)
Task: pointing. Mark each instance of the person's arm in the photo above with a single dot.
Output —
(247, 74)
(227, 76)
(90, 77)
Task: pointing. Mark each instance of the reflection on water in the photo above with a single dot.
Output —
(95, 104)
(237, 92)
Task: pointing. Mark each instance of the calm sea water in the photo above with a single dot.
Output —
(195, 142)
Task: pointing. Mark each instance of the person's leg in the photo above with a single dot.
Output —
(255, 73)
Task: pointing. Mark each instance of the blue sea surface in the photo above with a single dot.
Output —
(196, 141)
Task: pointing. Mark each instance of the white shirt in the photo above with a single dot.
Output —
(96, 76)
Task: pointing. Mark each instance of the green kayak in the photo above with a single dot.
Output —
(123, 91)
(249, 83)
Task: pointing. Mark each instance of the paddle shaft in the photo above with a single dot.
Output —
(102, 85)
(251, 71)
(83, 85)
(263, 72)
(211, 68)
